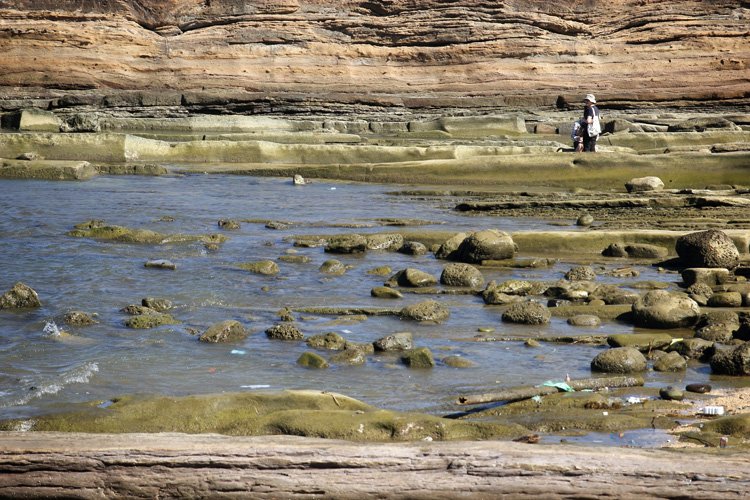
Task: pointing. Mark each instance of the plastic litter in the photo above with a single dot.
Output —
(238, 351)
(537, 399)
(713, 410)
(563, 386)
(632, 400)
(255, 386)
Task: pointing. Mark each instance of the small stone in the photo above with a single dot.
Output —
(284, 331)
(671, 394)
(79, 318)
(698, 388)
(585, 220)
(298, 180)
(418, 358)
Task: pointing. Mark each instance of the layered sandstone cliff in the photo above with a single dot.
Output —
(303, 55)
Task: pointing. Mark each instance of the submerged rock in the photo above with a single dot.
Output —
(386, 292)
(150, 320)
(331, 341)
(79, 318)
(229, 224)
(333, 266)
(160, 264)
(312, 360)
(420, 357)
(98, 229)
(264, 267)
(224, 331)
(157, 304)
(21, 296)
(285, 331)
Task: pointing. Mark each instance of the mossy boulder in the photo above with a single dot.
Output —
(429, 310)
(619, 360)
(448, 248)
(420, 357)
(264, 267)
(489, 244)
(150, 320)
(527, 313)
(312, 360)
(581, 273)
(21, 296)
(663, 309)
(157, 303)
(350, 356)
(284, 331)
(670, 362)
(333, 267)
(458, 362)
(224, 331)
(79, 318)
(460, 274)
(331, 341)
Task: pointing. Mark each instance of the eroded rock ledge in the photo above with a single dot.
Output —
(180, 465)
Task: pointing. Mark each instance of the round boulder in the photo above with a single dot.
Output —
(386, 241)
(461, 275)
(619, 360)
(413, 248)
(734, 361)
(527, 313)
(663, 309)
(711, 248)
(448, 249)
(401, 341)
(489, 244)
(284, 331)
(414, 278)
(429, 310)
(670, 362)
(581, 273)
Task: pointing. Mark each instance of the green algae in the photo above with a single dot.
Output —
(300, 413)
(97, 229)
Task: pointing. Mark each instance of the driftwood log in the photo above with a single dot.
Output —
(527, 392)
(37, 465)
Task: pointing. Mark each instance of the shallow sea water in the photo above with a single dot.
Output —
(42, 371)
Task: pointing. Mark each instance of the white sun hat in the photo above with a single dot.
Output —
(590, 97)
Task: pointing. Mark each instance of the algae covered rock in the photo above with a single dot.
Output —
(711, 248)
(586, 320)
(157, 303)
(459, 274)
(150, 320)
(527, 313)
(581, 273)
(264, 267)
(312, 360)
(448, 248)
(458, 362)
(619, 360)
(420, 357)
(21, 296)
(429, 310)
(79, 318)
(644, 342)
(224, 331)
(98, 229)
(333, 267)
(386, 292)
(297, 413)
(350, 356)
(489, 244)
(413, 248)
(663, 309)
(386, 241)
(330, 341)
(285, 331)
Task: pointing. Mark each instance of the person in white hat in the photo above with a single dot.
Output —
(593, 129)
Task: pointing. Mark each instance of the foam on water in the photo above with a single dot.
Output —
(51, 329)
(78, 375)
